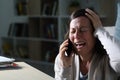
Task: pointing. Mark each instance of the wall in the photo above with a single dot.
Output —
(6, 14)
(105, 8)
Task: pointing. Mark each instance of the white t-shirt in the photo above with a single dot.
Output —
(83, 77)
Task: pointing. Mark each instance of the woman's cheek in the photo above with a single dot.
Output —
(71, 37)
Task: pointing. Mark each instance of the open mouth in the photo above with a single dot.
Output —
(79, 45)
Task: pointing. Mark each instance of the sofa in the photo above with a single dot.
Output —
(110, 29)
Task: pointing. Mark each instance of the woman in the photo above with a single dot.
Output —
(96, 55)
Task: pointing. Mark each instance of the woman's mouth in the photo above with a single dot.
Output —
(80, 45)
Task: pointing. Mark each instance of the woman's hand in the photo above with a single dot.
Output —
(94, 18)
(66, 61)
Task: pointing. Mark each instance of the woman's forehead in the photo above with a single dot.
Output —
(80, 21)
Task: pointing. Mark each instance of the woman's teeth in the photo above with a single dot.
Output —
(79, 45)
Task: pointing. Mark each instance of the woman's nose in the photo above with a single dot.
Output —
(78, 34)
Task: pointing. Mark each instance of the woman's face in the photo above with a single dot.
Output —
(81, 34)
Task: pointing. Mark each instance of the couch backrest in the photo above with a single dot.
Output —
(110, 29)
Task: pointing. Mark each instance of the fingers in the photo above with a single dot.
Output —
(63, 46)
(65, 60)
(92, 13)
(94, 18)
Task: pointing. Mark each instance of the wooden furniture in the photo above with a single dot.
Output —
(23, 72)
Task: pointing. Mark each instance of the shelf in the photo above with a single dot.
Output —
(42, 16)
(20, 19)
(30, 38)
(29, 48)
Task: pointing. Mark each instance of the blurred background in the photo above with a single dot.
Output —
(32, 30)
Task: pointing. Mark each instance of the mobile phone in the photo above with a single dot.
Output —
(70, 47)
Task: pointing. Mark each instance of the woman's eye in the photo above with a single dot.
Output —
(72, 31)
(83, 29)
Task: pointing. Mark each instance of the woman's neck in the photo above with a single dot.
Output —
(86, 58)
(85, 63)
(84, 67)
